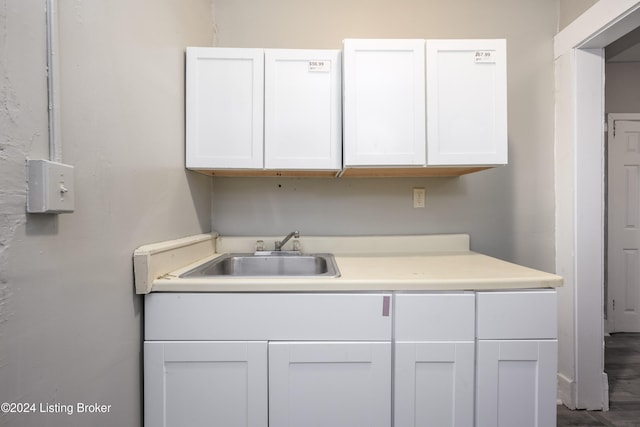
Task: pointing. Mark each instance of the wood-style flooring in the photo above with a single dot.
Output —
(622, 365)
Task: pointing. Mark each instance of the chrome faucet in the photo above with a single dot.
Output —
(280, 244)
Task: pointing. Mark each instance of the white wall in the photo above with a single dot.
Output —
(508, 211)
(70, 324)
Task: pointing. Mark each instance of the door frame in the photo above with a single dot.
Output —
(611, 119)
(579, 197)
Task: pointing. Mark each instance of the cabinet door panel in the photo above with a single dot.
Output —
(516, 383)
(224, 108)
(466, 102)
(303, 109)
(384, 102)
(334, 384)
(434, 384)
(205, 383)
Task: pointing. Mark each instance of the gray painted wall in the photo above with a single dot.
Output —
(70, 324)
(508, 211)
(622, 87)
(569, 10)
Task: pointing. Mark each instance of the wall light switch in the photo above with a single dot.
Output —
(419, 196)
(50, 187)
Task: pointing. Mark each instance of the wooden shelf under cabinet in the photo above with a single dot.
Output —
(410, 172)
(351, 172)
(269, 173)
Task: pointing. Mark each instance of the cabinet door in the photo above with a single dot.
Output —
(337, 384)
(516, 383)
(466, 102)
(303, 109)
(384, 102)
(224, 108)
(434, 384)
(205, 384)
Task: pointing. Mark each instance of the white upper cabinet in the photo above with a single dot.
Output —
(380, 107)
(466, 102)
(384, 102)
(224, 103)
(255, 109)
(302, 113)
(416, 103)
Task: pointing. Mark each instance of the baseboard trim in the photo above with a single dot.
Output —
(567, 394)
(567, 391)
(605, 388)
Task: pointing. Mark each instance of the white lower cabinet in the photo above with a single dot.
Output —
(516, 359)
(434, 384)
(516, 383)
(321, 384)
(205, 384)
(267, 359)
(434, 359)
(342, 360)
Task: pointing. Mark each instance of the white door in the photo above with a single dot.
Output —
(384, 102)
(434, 384)
(466, 102)
(224, 108)
(205, 384)
(624, 225)
(516, 383)
(330, 384)
(303, 109)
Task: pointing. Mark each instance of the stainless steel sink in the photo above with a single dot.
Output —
(269, 264)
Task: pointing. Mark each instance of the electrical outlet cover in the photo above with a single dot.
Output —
(419, 196)
(50, 187)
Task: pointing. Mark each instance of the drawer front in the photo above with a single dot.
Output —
(223, 316)
(435, 317)
(517, 315)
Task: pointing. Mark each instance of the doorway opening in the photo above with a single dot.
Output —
(580, 197)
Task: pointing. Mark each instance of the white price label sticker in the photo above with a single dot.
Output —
(319, 66)
(485, 56)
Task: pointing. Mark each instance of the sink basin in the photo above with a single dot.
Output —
(269, 264)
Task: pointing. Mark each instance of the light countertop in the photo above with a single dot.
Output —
(375, 263)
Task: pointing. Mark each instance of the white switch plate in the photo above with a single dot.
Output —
(419, 196)
(50, 187)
